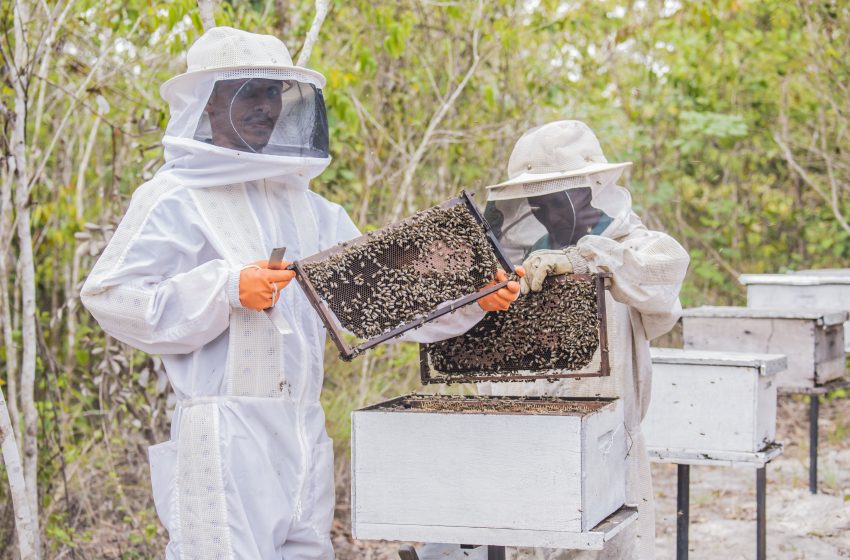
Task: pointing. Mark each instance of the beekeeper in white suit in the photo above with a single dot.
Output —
(561, 211)
(248, 472)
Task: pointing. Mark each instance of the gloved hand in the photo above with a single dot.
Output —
(549, 262)
(501, 299)
(260, 286)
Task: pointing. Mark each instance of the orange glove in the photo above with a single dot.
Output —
(501, 300)
(260, 286)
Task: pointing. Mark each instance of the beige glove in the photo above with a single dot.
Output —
(549, 262)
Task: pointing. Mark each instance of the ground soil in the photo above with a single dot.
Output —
(800, 525)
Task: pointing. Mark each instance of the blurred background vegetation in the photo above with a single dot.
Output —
(736, 114)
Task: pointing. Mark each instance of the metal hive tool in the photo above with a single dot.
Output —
(558, 332)
(387, 282)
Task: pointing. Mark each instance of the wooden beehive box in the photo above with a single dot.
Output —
(828, 289)
(712, 401)
(813, 340)
(509, 471)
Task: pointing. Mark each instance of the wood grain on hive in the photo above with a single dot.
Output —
(706, 401)
(813, 340)
(810, 289)
(424, 469)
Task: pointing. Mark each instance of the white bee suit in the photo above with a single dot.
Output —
(248, 471)
(647, 269)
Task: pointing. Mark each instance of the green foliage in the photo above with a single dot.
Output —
(695, 95)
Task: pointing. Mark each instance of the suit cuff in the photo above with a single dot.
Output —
(233, 288)
(578, 262)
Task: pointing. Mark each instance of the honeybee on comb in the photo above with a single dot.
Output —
(554, 329)
(405, 271)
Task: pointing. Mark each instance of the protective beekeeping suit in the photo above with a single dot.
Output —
(248, 472)
(561, 211)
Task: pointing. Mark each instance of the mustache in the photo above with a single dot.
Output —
(260, 120)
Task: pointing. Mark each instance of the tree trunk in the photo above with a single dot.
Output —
(17, 485)
(18, 165)
(322, 7)
(207, 9)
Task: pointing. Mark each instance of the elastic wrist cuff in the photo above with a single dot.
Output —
(233, 288)
(578, 262)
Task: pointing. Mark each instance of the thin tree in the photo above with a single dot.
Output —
(18, 486)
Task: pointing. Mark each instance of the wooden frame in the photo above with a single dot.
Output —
(346, 350)
(430, 376)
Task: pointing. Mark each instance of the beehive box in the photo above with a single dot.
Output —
(812, 289)
(512, 471)
(712, 401)
(813, 340)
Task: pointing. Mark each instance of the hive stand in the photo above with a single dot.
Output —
(814, 394)
(683, 460)
(812, 339)
(713, 408)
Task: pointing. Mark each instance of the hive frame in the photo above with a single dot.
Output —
(602, 284)
(349, 352)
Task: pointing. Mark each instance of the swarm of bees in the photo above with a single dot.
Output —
(404, 271)
(554, 329)
(493, 405)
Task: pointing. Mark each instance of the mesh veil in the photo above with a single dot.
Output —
(297, 143)
(522, 215)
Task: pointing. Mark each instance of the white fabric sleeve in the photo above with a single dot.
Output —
(345, 228)
(449, 325)
(158, 285)
(647, 269)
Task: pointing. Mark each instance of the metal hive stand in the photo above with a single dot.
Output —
(683, 459)
(814, 413)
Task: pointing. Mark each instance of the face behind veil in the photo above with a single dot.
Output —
(264, 115)
(557, 214)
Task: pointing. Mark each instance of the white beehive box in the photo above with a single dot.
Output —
(712, 401)
(826, 289)
(506, 478)
(813, 340)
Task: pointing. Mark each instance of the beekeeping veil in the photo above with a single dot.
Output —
(243, 112)
(560, 188)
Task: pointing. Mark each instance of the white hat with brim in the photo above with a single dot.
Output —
(525, 178)
(557, 150)
(225, 49)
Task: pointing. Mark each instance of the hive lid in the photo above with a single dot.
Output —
(825, 317)
(768, 364)
(823, 272)
(559, 332)
(807, 278)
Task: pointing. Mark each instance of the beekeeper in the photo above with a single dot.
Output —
(562, 211)
(248, 472)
